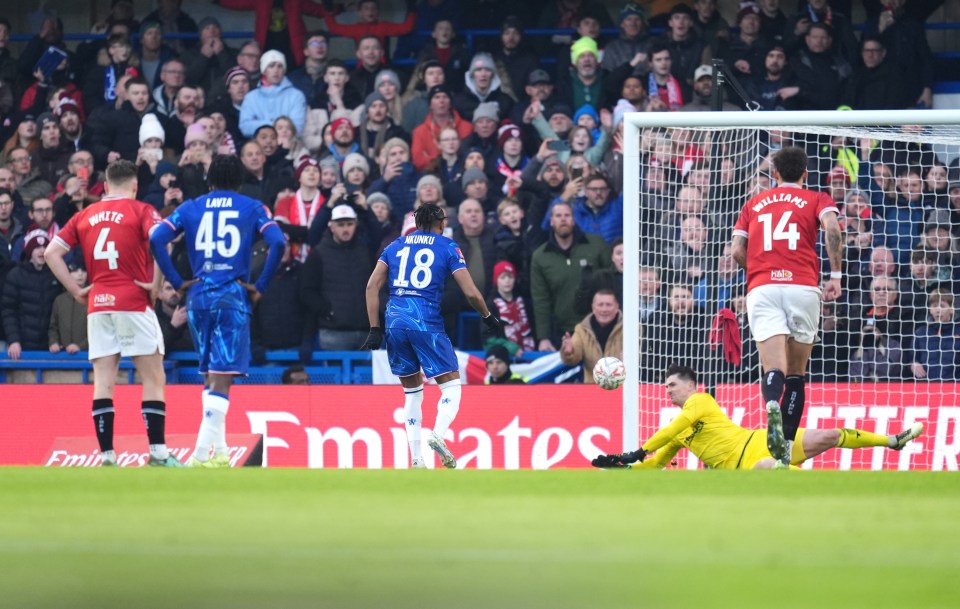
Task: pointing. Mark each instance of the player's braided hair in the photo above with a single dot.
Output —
(225, 173)
(427, 215)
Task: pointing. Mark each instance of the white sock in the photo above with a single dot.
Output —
(215, 407)
(413, 419)
(448, 406)
(159, 451)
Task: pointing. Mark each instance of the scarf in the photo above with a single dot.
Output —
(508, 172)
(354, 147)
(670, 94)
(301, 216)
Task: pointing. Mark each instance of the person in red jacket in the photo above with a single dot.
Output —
(426, 136)
(270, 21)
(369, 24)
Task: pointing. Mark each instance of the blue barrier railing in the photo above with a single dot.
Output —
(324, 367)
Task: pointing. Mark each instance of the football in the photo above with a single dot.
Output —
(609, 373)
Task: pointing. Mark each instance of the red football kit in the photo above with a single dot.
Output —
(114, 237)
(781, 227)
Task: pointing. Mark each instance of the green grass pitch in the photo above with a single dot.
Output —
(387, 539)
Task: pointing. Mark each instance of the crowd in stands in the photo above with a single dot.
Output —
(525, 156)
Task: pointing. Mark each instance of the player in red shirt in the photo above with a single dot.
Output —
(114, 237)
(775, 240)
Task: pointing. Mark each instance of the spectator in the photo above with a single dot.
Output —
(389, 226)
(427, 134)
(936, 344)
(776, 87)
(544, 179)
(172, 315)
(555, 274)
(689, 259)
(27, 303)
(633, 39)
(378, 126)
(356, 179)
(923, 279)
(78, 192)
(398, 177)
(210, 59)
(675, 335)
(904, 36)
(195, 162)
(702, 98)
(295, 375)
(51, 157)
(476, 185)
(711, 27)
(291, 147)
(904, 218)
(295, 214)
(610, 278)
(335, 279)
(20, 211)
(368, 23)
(153, 52)
(29, 184)
(476, 241)
(446, 50)
(486, 120)
(187, 106)
(483, 84)
(687, 49)
(583, 82)
(344, 140)
(150, 153)
(174, 21)
(416, 106)
(567, 14)
(101, 80)
(279, 25)
(717, 289)
(518, 61)
(773, 23)
(596, 212)
(498, 367)
(511, 308)
(387, 84)
(818, 12)
(511, 160)
(338, 97)
(25, 136)
(662, 83)
(117, 135)
(821, 73)
(308, 78)
(68, 319)
(370, 60)
(8, 63)
(257, 183)
(883, 318)
(72, 131)
(745, 51)
(237, 86)
(599, 335)
(515, 240)
(41, 221)
(874, 85)
(266, 136)
(11, 229)
(171, 78)
(651, 300)
(273, 98)
(248, 59)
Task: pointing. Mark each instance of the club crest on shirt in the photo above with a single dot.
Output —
(781, 275)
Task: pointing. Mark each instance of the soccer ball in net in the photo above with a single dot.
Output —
(609, 373)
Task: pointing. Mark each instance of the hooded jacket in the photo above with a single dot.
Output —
(264, 104)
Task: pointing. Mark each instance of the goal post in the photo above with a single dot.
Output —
(724, 156)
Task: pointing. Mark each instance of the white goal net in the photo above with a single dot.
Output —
(887, 353)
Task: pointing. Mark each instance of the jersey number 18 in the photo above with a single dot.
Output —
(421, 274)
(226, 242)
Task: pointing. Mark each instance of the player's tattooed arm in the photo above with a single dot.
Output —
(738, 249)
(834, 241)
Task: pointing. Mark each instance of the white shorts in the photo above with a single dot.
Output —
(793, 310)
(128, 333)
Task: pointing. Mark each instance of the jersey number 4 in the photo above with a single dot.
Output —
(226, 241)
(106, 250)
(421, 274)
(785, 231)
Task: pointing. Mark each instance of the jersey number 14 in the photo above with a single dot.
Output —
(226, 241)
(421, 274)
(784, 231)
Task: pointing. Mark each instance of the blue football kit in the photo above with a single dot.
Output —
(418, 266)
(219, 229)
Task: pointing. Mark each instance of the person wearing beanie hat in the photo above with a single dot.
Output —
(378, 124)
(498, 367)
(511, 161)
(29, 292)
(482, 85)
(430, 190)
(299, 210)
(583, 45)
(353, 161)
(275, 97)
(195, 133)
(473, 175)
(509, 305)
(398, 177)
(490, 110)
(374, 96)
(386, 77)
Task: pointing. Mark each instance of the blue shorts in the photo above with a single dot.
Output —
(410, 350)
(222, 339)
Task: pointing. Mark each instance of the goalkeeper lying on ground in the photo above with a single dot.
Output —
(718, 442)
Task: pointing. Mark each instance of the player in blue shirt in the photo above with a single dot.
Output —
(416, 268)
(219, 229)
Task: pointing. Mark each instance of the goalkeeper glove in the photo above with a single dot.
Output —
(619, 461)
(494, 324)
(374, 339)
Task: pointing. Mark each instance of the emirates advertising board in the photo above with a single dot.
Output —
(508, 427)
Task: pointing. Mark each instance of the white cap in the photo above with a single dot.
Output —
(702, 71)
(343, 212)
